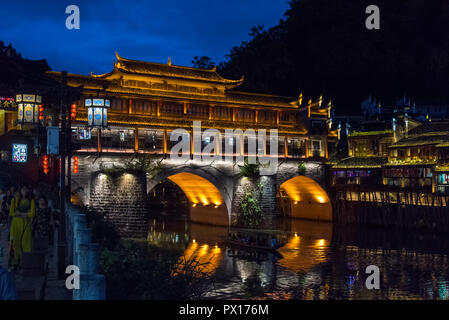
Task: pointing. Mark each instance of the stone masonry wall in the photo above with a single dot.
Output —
(122, 199)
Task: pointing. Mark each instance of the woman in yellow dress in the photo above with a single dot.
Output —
(22, 211)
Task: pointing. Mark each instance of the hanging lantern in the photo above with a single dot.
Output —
(28, 108)
(97, 112)
(59, 161)
(75, 164)
(45, 164)
(41, 112)
(73, 112)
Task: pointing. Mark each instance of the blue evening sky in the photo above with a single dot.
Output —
(146, 30)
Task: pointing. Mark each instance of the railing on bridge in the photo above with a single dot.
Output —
(157, 141)
(84, 254)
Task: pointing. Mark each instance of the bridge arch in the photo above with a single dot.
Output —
(302, 197)
(208, 195)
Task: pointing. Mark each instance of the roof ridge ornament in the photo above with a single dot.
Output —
(169, 61)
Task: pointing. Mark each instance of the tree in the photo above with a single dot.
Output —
(203, 62)
(323, 46)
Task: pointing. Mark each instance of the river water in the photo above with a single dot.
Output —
(319, 261)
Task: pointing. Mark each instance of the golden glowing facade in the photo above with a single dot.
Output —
(148, 100)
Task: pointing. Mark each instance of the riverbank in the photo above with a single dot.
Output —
(391, 215)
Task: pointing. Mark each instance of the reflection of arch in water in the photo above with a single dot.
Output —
(207, 204)
(308, 246)
(302, 197)
(201, 257)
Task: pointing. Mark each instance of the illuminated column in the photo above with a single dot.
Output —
(326, 151)
(159, 105)
(136, 140)
(130, 106)
(210, 113)
(165, 142)
(99, 140)
(233, 114)
(186, 105)
(286, 147)
(277, 117)
(257, 116)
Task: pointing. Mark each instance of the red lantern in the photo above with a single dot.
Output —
(73, 112)
(75, 164)
(45, 164)
(59, 160)
(41, 112)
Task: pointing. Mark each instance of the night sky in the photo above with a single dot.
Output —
(146, 30)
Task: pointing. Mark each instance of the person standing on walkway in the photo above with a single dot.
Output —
(7, 286)
(43, 223)
(22, 211)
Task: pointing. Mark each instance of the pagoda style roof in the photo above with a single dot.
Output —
(141, 79)
(360, 162)
(168, 70)
(231, 97)
(440, 126)
(370, 133)
(430, 138)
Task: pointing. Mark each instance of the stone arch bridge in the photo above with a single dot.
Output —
(214, 191)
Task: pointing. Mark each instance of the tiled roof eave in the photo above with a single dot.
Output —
(150, 93)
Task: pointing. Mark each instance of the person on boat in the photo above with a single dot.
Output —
(273, 243)
(21, 210)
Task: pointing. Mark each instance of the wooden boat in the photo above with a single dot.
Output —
(239, 241)
(250, 254)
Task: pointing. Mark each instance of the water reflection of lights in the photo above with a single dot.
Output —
(207, 258)
(312, 279)
(301, 253)
(321, 243)
(165, 238)
(312, 266)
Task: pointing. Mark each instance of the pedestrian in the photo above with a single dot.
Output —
(3, 212)
(36, 193)
(10, 194)
(22, 211)
(7, 286)
(43, 223)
